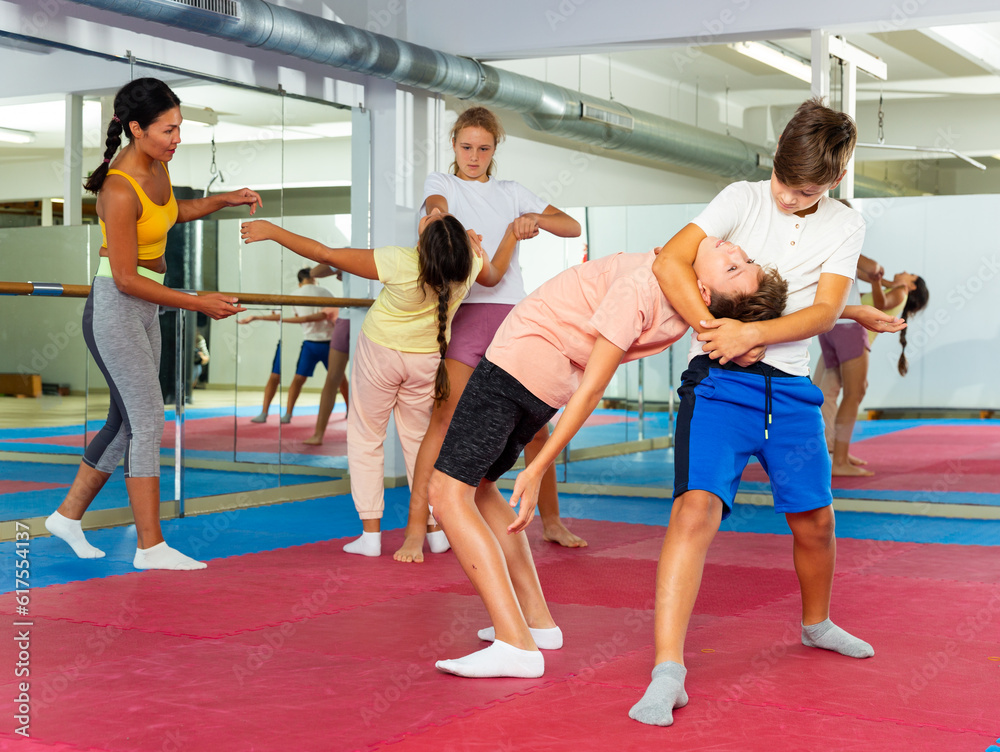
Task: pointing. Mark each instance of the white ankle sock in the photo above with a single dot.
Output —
(162, 556)
(369, 544)
(71, 531)
(438, 542)
(499, 659)
(545, 639)
(262, 418)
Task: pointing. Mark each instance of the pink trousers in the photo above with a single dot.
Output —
(383, 382)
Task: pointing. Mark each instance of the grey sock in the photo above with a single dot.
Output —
(829, 636)
(664, 694)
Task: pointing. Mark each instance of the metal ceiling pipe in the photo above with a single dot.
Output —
(545, 106)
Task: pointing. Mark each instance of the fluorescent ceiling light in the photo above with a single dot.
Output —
(14, 136)
(764, 53)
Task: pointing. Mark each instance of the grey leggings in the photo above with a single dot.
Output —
(123, 335)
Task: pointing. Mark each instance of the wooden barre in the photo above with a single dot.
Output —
(55, 289)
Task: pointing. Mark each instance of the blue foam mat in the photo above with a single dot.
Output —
(246, 531)
(197, 483)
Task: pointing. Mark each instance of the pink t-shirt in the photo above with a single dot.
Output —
(546, 340)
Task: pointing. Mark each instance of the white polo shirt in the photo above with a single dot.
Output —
(828, 241)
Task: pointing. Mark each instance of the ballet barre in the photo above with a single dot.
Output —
(59, 290)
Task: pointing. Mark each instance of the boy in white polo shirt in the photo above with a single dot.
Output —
(769, 409)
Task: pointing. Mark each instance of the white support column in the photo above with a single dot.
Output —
(73, 161)
(850, 105)
(381, 104)
(821, 64)
(46, 212)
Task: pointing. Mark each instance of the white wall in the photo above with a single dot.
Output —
(951, 242)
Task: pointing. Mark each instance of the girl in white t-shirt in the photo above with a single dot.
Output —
(488, 205)
(398, 365)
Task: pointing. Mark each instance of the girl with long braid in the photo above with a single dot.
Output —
(904, 295)
(398, 364)
(136, 207)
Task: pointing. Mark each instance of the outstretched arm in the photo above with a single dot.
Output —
(196, 208)
(873, 319)
(604, 361)
(359, 261)
(494, 269)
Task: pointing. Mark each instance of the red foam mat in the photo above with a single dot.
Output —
(308, 648)
(965, 458)
(243, 592)
(625, 583)
(583, 716)
(216, 434)
(20, 486)
(940, 561)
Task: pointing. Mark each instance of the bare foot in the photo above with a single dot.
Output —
(412, 549)
(856, 460)
(313, 441)
(850, 470)
(557, 532)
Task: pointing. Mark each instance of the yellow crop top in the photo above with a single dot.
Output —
(154, 222)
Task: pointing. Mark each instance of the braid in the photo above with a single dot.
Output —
(445, 260)
(442, 386)
(916, 301)
(902, 365)
(113, 141)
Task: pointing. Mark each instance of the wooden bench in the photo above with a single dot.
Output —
(21, 384)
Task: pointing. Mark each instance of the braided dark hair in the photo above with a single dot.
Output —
(445, 255)
(915, 301)
(141, 101)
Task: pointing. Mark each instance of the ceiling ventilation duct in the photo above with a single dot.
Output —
(545, 106)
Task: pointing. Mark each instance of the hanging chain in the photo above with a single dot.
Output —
(213, 168)
(881, 121)
(727, 105)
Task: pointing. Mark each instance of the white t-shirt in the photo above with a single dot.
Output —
(828, 241)
(487, 208)
(314, 331)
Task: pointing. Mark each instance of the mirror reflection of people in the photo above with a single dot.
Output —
(136, 207)
(201, 358)
(336, 367)
(315, 347)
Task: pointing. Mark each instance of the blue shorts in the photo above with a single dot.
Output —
(311, 354)
(722, 423)
(276, 365)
